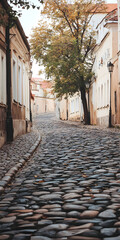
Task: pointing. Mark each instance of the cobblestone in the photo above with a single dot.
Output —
(14, 155)
(69, 189)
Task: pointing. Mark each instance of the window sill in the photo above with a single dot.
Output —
(3, 105)
(14, 101)
(100, 108)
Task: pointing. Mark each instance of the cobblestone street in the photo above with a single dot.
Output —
(68, 189)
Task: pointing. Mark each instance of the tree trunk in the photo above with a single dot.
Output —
(85, 108)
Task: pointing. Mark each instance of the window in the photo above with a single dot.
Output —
(2, 77)
(98, 103)
(105, 95)
(115, 97)
(72, 106)
(14, 80)
(108, 52)
(19, 84)
(23, 85)
(108, 93)
(77, 104)
(102, 100)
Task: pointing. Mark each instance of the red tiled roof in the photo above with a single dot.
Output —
(106, 8)
(110, 7)
(44, 84)
(112, 16)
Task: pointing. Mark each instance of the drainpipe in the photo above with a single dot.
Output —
(9, 120)
(30, 77)
(66, 106)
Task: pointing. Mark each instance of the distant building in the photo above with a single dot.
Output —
(44, 100)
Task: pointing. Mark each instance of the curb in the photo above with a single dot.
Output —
(11, 173)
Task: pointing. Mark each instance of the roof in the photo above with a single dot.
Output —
(111, 16)
(107, 7)
(111, 7)
(18, 24)
(43, 83)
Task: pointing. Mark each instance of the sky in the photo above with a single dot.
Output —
(29, 20)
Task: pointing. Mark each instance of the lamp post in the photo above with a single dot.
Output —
(30, 76)
(87, 87)
(110, 69)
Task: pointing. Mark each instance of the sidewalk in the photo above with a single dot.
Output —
(14, 155)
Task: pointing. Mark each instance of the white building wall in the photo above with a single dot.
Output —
(104, 53)
(96, 19)
(75, 107)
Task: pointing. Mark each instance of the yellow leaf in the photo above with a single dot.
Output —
(84, 175)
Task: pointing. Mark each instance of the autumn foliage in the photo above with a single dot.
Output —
(64, 42)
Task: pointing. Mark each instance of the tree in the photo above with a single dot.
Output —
(17, 12)
(65, 45)
(25, 3)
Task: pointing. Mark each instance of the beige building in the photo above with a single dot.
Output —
(44, 100)
(20, 71)
(105, 51)
(14, 80)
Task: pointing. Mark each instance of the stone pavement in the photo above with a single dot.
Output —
(14, 155)
(69, 189)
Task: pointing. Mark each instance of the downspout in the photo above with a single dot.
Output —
(9, 120)
(66, 106)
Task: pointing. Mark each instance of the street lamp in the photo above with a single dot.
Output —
(110, 69)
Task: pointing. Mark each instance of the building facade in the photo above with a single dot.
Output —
(20, 69)
(14, 80)
(3, 100)
(74, 104)
(44, 100)
(103, 85)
